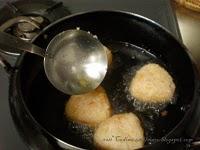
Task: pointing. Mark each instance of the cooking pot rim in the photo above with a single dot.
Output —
(14, 85)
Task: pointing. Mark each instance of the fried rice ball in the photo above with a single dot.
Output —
(152, 84)
(90, 108)
(120, 132)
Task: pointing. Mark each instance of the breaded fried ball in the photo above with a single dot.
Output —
(152, 84)
(120, 132)
(90, 108)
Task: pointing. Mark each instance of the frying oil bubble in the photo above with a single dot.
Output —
(84, 132)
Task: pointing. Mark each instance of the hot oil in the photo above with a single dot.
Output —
(127, 59)
(82, 132)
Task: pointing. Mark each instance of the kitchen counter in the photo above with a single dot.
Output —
(189, 24)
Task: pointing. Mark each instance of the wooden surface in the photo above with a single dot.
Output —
(189, 24)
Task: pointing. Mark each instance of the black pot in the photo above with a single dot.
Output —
(37, 107)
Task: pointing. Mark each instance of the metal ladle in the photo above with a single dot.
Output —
(75, 62)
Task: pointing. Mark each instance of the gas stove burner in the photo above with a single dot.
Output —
(28, 30)
(24, 27)
(26, 22)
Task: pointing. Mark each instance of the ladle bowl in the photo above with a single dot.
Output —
(75, 61)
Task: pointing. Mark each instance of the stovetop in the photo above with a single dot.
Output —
(157, 10)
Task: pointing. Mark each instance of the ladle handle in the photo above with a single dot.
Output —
(9, 42)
